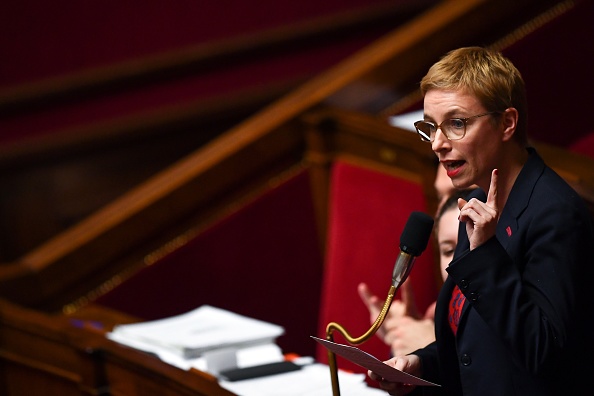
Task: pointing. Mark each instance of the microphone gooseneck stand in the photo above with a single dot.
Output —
(401, 270)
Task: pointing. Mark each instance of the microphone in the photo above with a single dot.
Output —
(413, 241)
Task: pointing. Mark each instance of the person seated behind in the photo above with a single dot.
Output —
(443, 187)
(404, 329)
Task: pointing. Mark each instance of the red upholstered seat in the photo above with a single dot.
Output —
(368, 211)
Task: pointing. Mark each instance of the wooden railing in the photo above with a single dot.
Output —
(79, 167)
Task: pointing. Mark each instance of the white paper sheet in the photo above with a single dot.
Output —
(311, 380)
(407, 120)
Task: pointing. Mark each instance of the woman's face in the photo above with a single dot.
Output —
(469, 160)
(447, 237)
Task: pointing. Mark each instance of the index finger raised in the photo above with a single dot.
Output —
(492, 194)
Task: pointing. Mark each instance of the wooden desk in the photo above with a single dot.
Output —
(43, 354)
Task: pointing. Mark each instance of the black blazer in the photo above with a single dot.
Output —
(527, 326)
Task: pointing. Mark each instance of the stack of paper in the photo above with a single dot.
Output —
(184, 340)
(205, 338)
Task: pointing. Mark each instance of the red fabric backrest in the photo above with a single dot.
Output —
(368, 211)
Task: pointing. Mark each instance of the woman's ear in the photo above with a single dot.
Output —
(510, 122)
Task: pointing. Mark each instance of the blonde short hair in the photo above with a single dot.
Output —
(486, 74)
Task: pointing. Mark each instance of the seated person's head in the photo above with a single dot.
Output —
(446, 229)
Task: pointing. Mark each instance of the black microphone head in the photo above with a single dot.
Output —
(417, 231)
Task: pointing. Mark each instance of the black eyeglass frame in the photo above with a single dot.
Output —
(427, 138)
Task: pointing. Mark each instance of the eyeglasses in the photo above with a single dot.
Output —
(453, 128)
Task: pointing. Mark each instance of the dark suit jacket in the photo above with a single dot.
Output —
(528, 321)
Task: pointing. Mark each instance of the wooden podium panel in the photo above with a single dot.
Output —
(130, 372)
(38, 358)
